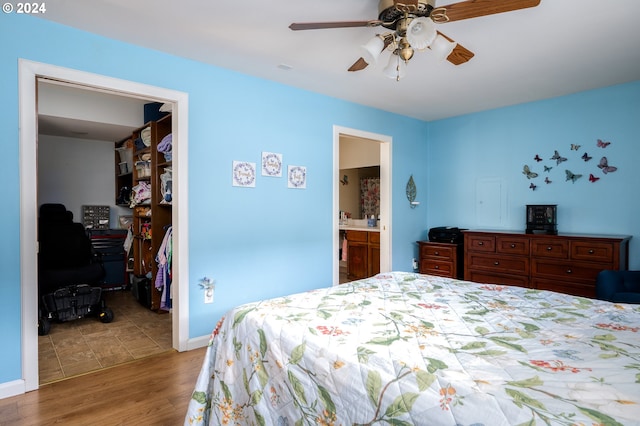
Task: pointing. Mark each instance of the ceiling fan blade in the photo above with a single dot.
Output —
(475, 8)
(358, 65)
(460, 54)
(328, 25)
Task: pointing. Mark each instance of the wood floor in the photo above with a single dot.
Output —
(151, 391)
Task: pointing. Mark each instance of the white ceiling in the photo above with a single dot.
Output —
(72, 111)
(557, 48)
(82, 129)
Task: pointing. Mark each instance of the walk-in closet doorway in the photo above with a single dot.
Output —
(29, 74)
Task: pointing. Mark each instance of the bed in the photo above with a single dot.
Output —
(409, 349)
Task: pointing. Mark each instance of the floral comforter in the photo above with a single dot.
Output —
(410, 349)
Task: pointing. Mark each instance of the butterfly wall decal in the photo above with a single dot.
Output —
(575, 147)
(571, 176)
(345, 180)
(532, 187)
(559, 159)
(606, 168)
(592, 178)
(603, 144)
(547, 168)
(547, 180)
(586, 157)
(528, 173)
(537, 158)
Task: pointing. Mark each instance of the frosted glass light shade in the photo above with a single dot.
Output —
(421, 32)
(442, 47)
(372, 50)
(396, 68)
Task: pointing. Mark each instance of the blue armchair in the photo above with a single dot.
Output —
(618, 286)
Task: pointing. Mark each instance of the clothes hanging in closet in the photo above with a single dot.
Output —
(163, 277)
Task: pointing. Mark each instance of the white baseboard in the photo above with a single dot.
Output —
(8, 389)
(198, 342)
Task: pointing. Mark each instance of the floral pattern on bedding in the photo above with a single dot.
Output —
(411, 349)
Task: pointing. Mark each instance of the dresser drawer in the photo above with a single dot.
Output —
(433, 267)
(436, 251)
(568, 287)
(553, 248)
(484, 243)
(489, 278)
(568, 271)
(592, 251)
(511, 245)
(504, 264)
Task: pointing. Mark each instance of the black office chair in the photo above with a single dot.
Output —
(69, 271)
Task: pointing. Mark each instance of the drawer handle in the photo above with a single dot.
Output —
(437, 267)
(480, 243)
(591, 251)
(549, 248)
(569, 271)
(437, 253)
(513, 246)
(496, 263)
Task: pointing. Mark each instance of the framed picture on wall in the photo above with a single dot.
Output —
(244, 174)
(271, 164)
(297, 177)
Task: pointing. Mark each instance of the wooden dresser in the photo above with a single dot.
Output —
(444, 259)
(567, 263)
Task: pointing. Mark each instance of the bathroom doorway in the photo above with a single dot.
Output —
(383, 152)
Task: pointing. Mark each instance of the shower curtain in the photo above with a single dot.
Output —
(369, 197)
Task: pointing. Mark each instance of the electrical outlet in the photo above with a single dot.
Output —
(208, 295)
(415, 264)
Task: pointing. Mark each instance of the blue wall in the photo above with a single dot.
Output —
(255, 242)
(498, 143)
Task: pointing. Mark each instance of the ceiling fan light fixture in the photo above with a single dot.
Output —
(442, 47)
(421, 32)
(396, 68)
(372, 49)
(411, 26)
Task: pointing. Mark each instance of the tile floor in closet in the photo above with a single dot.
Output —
(77, 347)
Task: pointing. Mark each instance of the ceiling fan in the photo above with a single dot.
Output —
(412, 25)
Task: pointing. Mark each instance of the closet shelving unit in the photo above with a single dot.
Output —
(150, 220)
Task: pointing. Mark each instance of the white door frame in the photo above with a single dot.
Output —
(28, 72)
(385, 196)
